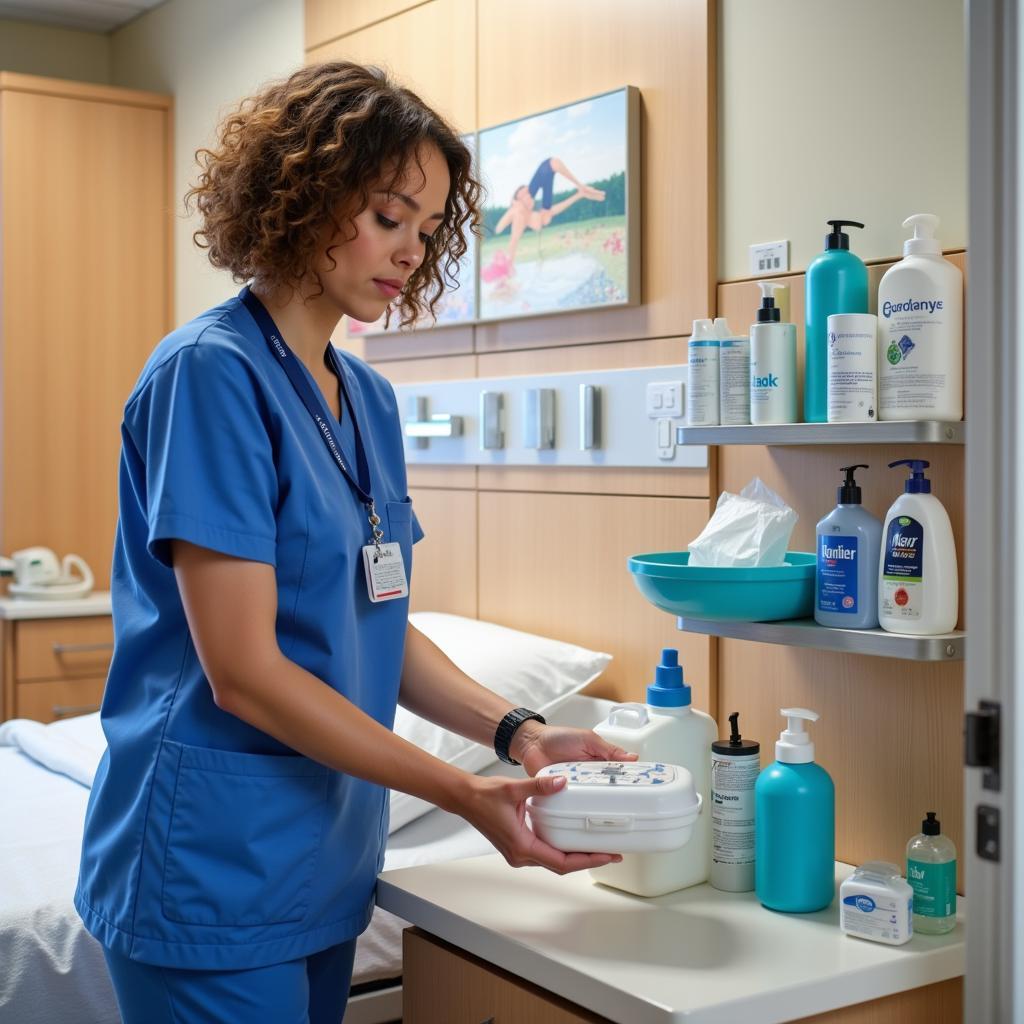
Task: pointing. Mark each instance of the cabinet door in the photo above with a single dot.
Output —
(86, 287)
(62, 648)
(443, 985)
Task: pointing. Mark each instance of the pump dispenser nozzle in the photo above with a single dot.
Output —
(924, 242)
(769, 312)
(837, 238)
(849, 493)
(917, 483)
(794, 745)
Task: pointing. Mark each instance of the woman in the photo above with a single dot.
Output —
(238, 818)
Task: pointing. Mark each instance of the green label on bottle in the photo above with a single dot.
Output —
(934, 887)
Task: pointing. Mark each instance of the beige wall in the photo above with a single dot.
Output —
(829, 108)
(208, 56)
(54, 52)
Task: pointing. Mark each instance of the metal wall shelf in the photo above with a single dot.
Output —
(807, 633)
(888, 432)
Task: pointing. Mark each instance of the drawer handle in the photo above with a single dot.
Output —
(60, 649)
(71, 710)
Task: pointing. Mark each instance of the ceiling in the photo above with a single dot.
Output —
(90, 15)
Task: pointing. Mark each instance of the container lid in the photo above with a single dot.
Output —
(878, 871)
(917, 482)
(668, 689)
(794, 745)
(643, 789)
(849, 493)
(931, 826)
(837, 238)
(924, 242)
(736, 745)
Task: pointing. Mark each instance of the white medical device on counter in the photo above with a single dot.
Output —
(39, 574)
(616, 807)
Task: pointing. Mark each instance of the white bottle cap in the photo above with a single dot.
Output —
(795, 746)
(722, 331)
(924, 242)
(702, 330)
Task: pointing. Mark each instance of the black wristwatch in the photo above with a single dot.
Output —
(507, 729)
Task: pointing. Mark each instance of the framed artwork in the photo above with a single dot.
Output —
(456, 306)
(561, 221)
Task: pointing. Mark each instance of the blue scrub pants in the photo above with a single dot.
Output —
(311, 990)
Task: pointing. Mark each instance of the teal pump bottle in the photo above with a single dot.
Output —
(794, 815)
(836, 282)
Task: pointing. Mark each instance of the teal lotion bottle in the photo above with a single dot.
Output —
(794, 814)
(849, 543)
(931, 872)
(836, 282)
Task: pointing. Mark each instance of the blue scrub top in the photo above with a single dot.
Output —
(209, 844)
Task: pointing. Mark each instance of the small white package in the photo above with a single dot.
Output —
(748, 529)
(876, 903)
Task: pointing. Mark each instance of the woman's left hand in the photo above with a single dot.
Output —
(535, 746)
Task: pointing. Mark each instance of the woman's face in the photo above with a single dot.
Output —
(364, 275)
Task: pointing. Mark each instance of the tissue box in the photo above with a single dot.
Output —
(616, 807)
(756, 594)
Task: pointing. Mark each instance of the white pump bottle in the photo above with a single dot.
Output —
(774, 390)
(920, 324)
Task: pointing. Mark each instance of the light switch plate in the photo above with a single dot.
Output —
(664, 398)
(769, 257)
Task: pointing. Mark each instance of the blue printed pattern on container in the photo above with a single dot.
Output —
(837, 574)
(903, 569)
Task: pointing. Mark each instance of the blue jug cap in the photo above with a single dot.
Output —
(917, 483)
(668, 689)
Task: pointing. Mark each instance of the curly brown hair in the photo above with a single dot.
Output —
(305, 153)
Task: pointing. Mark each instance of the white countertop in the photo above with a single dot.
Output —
(697, 956)
(97, 603)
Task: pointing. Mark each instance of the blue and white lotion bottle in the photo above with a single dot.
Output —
(849, 541)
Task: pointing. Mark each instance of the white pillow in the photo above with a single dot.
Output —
(528, 670)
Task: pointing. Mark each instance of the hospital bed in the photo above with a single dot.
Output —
(52, 971)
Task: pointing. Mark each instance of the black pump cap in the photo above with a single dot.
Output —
(931, 827)
(736, 744)
(769, 313)
(849, 493)
(837, 238)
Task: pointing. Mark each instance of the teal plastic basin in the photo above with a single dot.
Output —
(744, 595)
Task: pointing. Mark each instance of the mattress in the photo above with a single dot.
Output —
(53, 970)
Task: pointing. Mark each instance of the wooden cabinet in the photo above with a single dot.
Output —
(443, 985)
(55, 668)
(85, 280)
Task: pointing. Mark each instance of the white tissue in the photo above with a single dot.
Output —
(751, 528)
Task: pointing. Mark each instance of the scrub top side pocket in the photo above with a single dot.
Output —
(404, 528)
(243, 837)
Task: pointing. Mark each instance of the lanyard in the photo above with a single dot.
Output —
(360, 483)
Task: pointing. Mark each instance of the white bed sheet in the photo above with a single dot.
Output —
(52, 971)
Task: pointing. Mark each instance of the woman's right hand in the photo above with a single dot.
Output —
(496, 807)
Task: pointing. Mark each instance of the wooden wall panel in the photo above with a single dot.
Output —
(579, 479)
(556, 565)
(326, 20)
(431, 49)
(86, 269)
(529, 61)
(445, 562)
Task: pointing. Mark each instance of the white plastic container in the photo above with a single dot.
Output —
(920, 344)
(774, 389)
(702, 396)
(733, 375)
(876, 903)
(668, 730)
(852, 346)
(917, 575)
(616, 807)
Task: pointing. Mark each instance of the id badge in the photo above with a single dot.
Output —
(385, 575)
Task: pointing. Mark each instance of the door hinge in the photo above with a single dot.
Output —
(981, 741)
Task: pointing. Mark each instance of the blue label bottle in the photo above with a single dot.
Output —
(849, 543)
(836, 282)
(794, 814)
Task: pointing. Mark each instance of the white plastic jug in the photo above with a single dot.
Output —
(669, 730)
